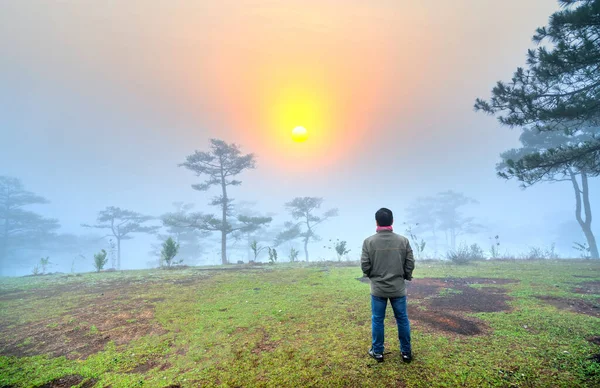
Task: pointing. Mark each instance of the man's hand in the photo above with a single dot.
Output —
(407, 277)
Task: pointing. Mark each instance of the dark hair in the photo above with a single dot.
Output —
(384, 217)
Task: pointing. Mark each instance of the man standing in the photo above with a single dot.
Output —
(387, 260)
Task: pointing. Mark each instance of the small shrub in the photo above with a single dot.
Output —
(340, 248)
(465, 254)
(293, 255)
(586, 252)
(44, 262)
(536, 253)
(495, 247)
(36, 270)
(418, 246)
(169, 250)
(272, 255)
(100, 260)
(256, 249)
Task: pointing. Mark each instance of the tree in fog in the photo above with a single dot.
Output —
(256, 231)
(122, 224)
(303, 211)
(558, 92)
(515, 165)
(219, 165)
(422, 213)
(21, 229)
(450, 218)
(442, 212)
(189, 239)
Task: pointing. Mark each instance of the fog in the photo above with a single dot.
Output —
(101, 103)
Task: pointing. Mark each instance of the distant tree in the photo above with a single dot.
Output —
(451, 220)
(272, 255)
(188, 238)
(340, 248)
(422, 217)
(220, 164)
(293, 254)
(257, 226)
(515, 165)
(122, 224)
(169, 251)
(560, 89)
(44, 263)
(302, 210)
(21, 228)
(100, 260)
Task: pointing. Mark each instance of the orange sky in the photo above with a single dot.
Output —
(271, 66)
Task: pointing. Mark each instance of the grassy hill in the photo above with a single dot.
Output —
(500, 323)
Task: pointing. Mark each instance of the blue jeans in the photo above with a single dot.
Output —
(378, 306)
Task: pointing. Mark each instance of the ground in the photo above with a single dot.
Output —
(512, 323)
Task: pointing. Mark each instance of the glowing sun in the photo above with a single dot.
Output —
(299, 134)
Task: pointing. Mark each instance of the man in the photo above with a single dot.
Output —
(387, 260)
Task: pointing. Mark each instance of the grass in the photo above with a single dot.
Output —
(294, 325)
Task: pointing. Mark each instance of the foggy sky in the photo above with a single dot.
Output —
(100, 101)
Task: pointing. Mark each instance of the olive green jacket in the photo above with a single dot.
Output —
(387, 260)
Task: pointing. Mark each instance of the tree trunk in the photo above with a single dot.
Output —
(306, 248)
(118, 253)
(585, 224)
(224, 219)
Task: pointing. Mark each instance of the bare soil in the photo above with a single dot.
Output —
(587, 288)
(443, 304)
(113, 313)
(69, 381)
(579, 306)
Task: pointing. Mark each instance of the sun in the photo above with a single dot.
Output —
(299, 134)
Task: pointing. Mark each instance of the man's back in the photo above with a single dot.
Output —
(387, 259)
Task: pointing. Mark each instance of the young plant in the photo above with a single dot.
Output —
(340, 248)
(272, 255)
(418, 246)
(36, 270)
(495, 247)
(586, 252)
(44, 262)
(100, 260)
(294, 254)
(169, 251)
(256, 249)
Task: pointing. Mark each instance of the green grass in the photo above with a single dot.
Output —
(305, 325)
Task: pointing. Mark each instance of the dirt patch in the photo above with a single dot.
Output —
(86, 328)
(69, 381)
(587, 288)
(265, 344)
(448, 322)
(579, 306)
(595, 339)
(442, 304)
(150, 364)
(472, 300)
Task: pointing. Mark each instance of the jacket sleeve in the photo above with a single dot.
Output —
(365, 260)
(409, 263)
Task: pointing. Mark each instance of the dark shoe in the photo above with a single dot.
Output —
(376, 356)
(407, 357)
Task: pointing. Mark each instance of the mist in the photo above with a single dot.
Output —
(102, 104)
